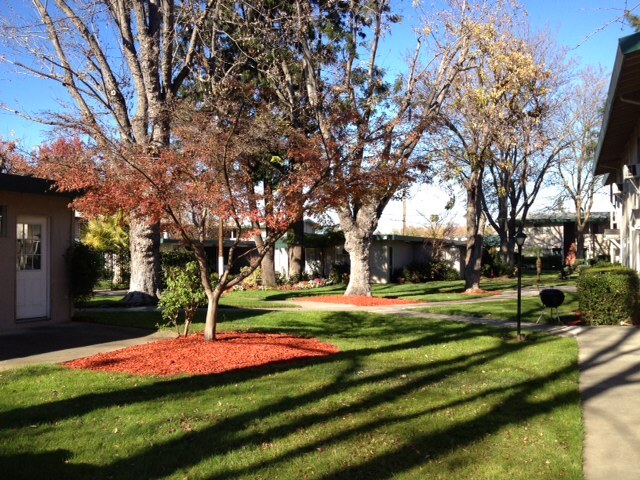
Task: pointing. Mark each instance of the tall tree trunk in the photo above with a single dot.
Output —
(358, 244)
(503, 229)
(296, 250)
(145, 262)
(117, 277)
(580, 241)
(475, 227)
(358, 235)
(268, 267)
(267, 264)
(511, 242)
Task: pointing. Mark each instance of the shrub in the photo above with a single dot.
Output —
(602, 263)
(418, 272)
(176, 258)
(492, 265)
(339, 274)
(184, 293)
(85, 266)
(442, 270)
(254, 279)
(609, 295)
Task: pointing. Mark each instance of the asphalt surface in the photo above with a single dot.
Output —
(67, 341)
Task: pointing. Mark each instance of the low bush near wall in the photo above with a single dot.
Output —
(609, 295)
(85, 266)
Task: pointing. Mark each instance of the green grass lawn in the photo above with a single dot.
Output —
(425, 292)
(229, 300)
(405, 399)
(532, 308)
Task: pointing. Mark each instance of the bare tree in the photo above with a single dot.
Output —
(531, 144)
(489, 109)
(123, 63)
(574, 171)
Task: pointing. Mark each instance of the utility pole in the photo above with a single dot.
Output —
(220, 248)
(404, 212)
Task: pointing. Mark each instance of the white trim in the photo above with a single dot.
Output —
(33, 312)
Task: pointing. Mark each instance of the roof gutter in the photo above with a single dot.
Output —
(626, 46)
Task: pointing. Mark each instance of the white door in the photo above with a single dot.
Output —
(32, 268)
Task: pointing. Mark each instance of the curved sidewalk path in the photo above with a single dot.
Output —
(609, 362)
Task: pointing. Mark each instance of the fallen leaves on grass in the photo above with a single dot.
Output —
(195, 356)
(360, 301)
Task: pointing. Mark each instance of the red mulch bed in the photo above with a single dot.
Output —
(194, 356)
(483, 292)
(360, 301)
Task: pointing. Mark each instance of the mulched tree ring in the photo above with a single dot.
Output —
(482, 292)
(193, 355)
(360, 301)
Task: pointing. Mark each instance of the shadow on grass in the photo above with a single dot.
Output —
(175, 455)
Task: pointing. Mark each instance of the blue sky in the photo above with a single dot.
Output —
(571, 21)
(588, 28)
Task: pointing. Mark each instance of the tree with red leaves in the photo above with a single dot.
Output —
(124, 65)
(209, 173)
(10, 157)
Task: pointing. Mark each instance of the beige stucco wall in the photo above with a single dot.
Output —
(379, 262)
(60, 226)
(550, 237)
(626, 207)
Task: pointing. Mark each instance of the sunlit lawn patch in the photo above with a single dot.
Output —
(532, 309)
(440, 291)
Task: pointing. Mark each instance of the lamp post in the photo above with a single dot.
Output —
(520, 238)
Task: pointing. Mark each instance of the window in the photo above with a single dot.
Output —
(29, 248)
(3, 220)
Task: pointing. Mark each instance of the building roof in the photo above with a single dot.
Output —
(212, 243)
(622, 109)
(23, 184)
(557, 218)
(414, 239)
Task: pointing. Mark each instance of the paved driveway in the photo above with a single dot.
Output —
(66, 341)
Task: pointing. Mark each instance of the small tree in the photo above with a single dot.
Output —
(184, 293)
(209, 174)
(110, 235)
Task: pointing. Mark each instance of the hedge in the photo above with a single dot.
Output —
(608, 295)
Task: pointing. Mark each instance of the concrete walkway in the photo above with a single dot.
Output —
(609, 362)
(610, 389)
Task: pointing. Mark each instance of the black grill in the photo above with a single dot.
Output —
(552, 297)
